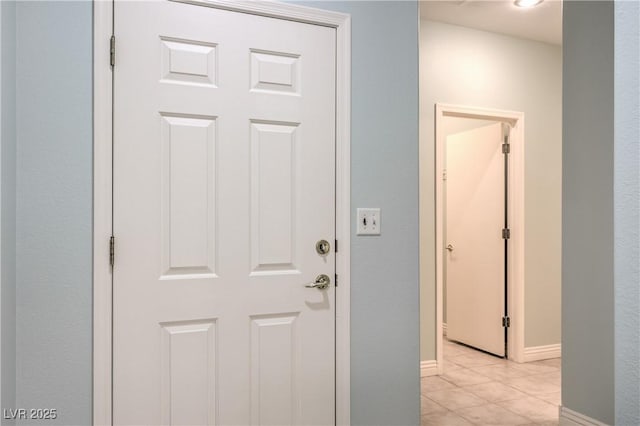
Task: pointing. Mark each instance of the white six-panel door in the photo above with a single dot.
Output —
(224, 180)
(475, 256)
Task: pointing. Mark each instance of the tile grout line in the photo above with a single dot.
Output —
(467, 355)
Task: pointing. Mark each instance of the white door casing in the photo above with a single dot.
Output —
(475, 200)
(191, 261)
(516, 218)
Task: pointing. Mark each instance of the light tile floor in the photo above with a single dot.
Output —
(480, 389)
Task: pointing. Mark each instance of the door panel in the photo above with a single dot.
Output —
(224, 157)
(188, 372)
(188, 196)
(474, 221)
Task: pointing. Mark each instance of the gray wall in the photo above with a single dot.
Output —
(626, 201)
(8, 203)
(54, 199)
(587, 210)
(477, 68)
(385, 387)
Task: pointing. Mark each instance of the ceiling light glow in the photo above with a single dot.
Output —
(527, 3)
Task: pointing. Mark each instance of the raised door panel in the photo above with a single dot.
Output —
(275, 72)
(188, 62)
(273, 197)
(188, 196)
(275, 352)
(188, 370)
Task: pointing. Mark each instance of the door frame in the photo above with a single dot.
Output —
(515, 204)
(103, 191)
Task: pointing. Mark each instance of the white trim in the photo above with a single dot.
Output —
(573, 418)
(0, 200)
(538, 353)
(275, 9)
(103, 19)
(343, 216)
(429, 368)
(515, 266)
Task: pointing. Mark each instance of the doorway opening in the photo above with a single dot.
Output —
(464, 135)
(484, 66)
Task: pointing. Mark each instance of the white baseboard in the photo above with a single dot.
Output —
(572, 418)
(444, 329)
(538, 353)
(428, 368)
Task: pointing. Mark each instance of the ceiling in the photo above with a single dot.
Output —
(540, 23)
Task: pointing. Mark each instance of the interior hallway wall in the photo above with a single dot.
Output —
(587, 209)
(627, 212)
(8, 205)
(464, 66)
(54, 208)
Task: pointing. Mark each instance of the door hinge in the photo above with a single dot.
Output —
(444, 175)
(112, 250)
(506, 233)
(336, 279)
(506, 148)
(506, 322)
(336, 246)
(112, 51)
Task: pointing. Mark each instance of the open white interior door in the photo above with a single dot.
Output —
(224, 181)
(474, 252)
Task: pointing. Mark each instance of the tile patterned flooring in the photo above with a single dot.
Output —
(480, 389)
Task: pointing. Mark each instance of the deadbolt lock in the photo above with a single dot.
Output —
(323, 247)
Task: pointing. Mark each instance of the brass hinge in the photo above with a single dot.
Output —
(506, 148)
(112, 250)
(506, 322)
(112, 51)
(506, 233)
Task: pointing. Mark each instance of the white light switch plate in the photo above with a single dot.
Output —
(368, 221)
